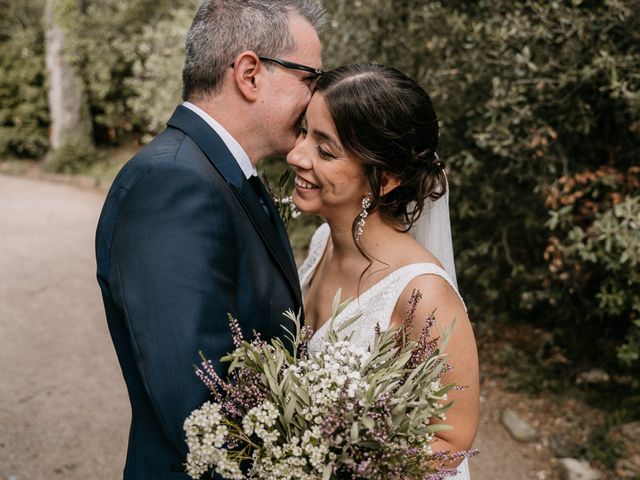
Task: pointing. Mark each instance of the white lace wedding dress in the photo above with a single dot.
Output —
(377, 303)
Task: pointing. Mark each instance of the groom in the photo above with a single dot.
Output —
(188, 234)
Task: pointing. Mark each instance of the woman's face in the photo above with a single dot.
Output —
(329, 182)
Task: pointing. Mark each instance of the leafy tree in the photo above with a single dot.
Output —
(156, 82)
(111, 42)
(70, 124)
(24, 115)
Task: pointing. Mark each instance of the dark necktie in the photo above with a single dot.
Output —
(258, 187)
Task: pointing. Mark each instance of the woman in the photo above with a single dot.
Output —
(366, 162)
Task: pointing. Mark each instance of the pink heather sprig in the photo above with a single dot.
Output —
(382, 465)
(207, 373)
(258, 343)
(444, 458)
(425, 346)
(338, 421)
(236, 396)
(381, 415)
(244, 393)
(402, 335)
(377, 464)
(236, 331)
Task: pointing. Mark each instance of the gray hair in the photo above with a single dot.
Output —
(222, 29)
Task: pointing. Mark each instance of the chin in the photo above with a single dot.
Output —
(301, 205)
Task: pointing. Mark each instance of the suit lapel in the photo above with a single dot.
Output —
(223, 161)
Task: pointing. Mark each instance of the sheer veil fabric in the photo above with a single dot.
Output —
(433, 231)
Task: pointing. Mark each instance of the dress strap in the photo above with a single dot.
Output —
(317, 247)
(400, 278)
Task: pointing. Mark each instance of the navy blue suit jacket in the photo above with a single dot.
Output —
(182, 241)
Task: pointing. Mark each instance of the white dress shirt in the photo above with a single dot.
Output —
(234, 147)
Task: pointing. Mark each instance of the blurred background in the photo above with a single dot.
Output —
(539, 106)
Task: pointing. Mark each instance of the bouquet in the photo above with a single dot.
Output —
(343, 412)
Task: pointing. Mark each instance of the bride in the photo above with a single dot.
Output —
(366, 162)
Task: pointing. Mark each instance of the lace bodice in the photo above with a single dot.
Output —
(375, 305)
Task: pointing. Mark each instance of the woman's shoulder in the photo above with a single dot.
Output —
(423, 272)
(436, 289)
(407, 251)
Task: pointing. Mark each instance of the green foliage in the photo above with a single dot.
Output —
(23, 96)
(129, 55)
(594, 261)
(76, 155)
(156, 82)
(629, 352)
(601, 447)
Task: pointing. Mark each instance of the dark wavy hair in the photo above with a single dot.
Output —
(386, 121)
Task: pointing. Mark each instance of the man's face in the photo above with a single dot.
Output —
(288, 91)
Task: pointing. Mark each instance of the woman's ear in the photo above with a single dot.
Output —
(388, 182)
(246, 74)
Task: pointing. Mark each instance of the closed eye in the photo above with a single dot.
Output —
(325, 154)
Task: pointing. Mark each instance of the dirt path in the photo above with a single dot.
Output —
(64, 412)
(63, 407)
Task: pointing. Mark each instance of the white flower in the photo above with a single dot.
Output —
(261, 420)
(206, 436)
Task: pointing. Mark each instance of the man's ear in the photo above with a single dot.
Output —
(246, 74)
(388, 182)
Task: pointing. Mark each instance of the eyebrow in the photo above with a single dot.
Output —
(326, 137)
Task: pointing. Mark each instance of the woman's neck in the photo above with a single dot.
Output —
(375, 240)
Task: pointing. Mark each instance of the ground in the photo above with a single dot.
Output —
(64, 411)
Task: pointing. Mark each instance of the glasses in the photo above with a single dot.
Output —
(316, 72)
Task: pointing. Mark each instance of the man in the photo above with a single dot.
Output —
(188, 234)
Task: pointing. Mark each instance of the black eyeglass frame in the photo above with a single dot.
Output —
(294, 66)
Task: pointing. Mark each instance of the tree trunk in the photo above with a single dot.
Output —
(68, 110)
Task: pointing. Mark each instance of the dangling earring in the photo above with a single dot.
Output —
(366, 205)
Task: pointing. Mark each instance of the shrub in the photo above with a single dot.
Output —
(156, 80)
(75, 156)
(593, 255)
(24, 113)
(125, 59)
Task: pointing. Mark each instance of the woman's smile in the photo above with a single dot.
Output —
(304, 184)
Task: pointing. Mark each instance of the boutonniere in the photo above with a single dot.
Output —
(281, 198)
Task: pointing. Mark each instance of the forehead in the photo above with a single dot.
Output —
(308, 50)
(318, 114)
